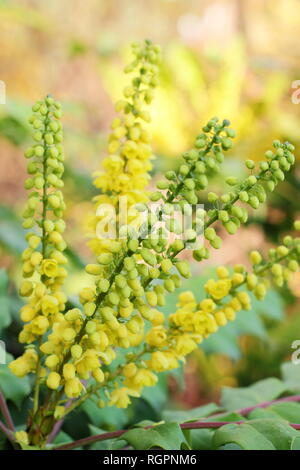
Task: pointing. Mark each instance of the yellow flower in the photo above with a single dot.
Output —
(184, 345)
(22, 437)
(49, 267)
(39, 325)
(120, 397)
(158, 361)
(25, 363)
(186, 298)
(53, 380)
(218, 289)
(143, 378)
(73, 387)
(156, 336)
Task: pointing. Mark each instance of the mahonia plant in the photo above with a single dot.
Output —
(72, 352)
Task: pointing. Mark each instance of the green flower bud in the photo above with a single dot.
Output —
(200, 143)
(231, 227)
(226, 143)
(170, 175)
(216, 243)
(293, 265)
(162, 185)
(223, 216)
(156, 196)
(255, 257)
(243, 196)
(210, 233)
(183, 268)
(297, 225)
(166, 265)
(254, 202)
(250, 164)
(151, 298)
(212, 197)
(133, 245)
(105, 258)
(103, 285)
(54, 201)
(183, 170)
(148, 256)
(276, 270)
(252, 180)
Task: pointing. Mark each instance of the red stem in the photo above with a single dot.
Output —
(114, 434)
(191, 425)
(5, 412)
(265, 404)
(8, 433)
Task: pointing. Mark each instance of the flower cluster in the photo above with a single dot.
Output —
(72, 351)
(126, 168)
(43, 259)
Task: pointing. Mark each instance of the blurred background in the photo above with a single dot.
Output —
(233, 58)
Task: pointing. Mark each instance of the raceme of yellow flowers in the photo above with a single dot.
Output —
(126, 168)
(72, 352)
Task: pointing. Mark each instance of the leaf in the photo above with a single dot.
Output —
(101, 445)
(201, 439)
(5, 314)
(276, 431)
(11, 232)
(167, 436)
(230, 447)
(14, 388)
(158, 395)
(288, 411)
(223, 341)
(264, 390)
(62, 438)
(190, 415)
(272, 306)
(244, 435)
(107, 418)
(262, 413)
(291, 376)
(295, 445)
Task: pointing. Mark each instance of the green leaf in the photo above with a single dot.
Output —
(158, 395)
(276, 431)
(11, 231)
(271, 307)
(167, 436)
(291, 376)
(190, 415)
(107, 418)
(230, 447)
(264, 390)
(295, 445)
(244, 435)
(62, 438)
(101, 445)
(5, 314)
(14, 388)
(262, 413)
(201, 439)
(289, 411)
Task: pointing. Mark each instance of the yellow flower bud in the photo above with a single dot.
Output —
(53, 380)
(98, 375)
(49, 267)
(69, 371)
(73, 387)
(26, 288)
